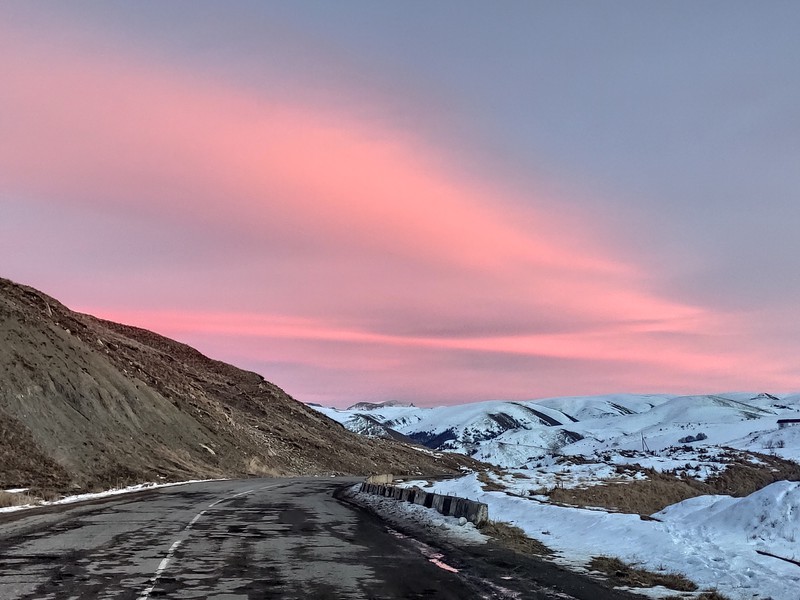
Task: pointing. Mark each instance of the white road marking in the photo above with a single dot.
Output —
(213, 504)
(162, 566)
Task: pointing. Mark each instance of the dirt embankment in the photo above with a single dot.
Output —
(90, 403)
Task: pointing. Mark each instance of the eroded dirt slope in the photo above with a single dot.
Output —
(91, 403)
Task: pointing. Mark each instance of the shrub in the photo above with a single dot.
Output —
(15, 499)
(513, 537)
(624, 574)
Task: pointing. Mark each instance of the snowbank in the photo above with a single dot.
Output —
(767, 520)
(710, 539)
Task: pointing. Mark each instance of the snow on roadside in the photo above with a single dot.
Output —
(398, 513)
(710, 539)
(95, 495)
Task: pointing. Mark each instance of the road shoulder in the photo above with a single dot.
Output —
(479, 557)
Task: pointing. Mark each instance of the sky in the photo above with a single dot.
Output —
(429, 202)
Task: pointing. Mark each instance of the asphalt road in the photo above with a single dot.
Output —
(247, 539)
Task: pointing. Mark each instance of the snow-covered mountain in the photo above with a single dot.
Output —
(362, 406)
(706, 472)
(689, 484)
(515, 434)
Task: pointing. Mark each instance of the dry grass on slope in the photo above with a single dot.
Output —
(659, 490)
(624, 574)
(742, 478)
(8, 499)
(514, 538)
(641, 497)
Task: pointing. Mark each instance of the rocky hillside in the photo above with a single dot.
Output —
(90, 403)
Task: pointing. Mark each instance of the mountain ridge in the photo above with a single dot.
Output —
(516, 433)
(93, 403)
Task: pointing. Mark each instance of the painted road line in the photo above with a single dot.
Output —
(162, 566)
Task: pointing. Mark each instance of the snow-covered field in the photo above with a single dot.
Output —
(588, 441)
(711, 539)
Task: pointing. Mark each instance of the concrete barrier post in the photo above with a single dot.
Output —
(447, 501)
(451, 506)
(478, 513)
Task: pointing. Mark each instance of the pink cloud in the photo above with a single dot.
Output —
(678, 365)
(335, 231)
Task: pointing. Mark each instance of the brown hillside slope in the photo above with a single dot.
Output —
(92, 403)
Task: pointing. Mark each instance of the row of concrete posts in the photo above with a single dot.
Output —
(451, 506)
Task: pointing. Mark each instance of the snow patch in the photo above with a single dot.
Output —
(93, 496)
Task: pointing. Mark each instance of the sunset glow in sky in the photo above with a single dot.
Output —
(430, 202)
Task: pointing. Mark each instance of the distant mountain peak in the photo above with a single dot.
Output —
(521, 434)
(378, 405)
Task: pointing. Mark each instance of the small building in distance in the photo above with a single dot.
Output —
(787, 422)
